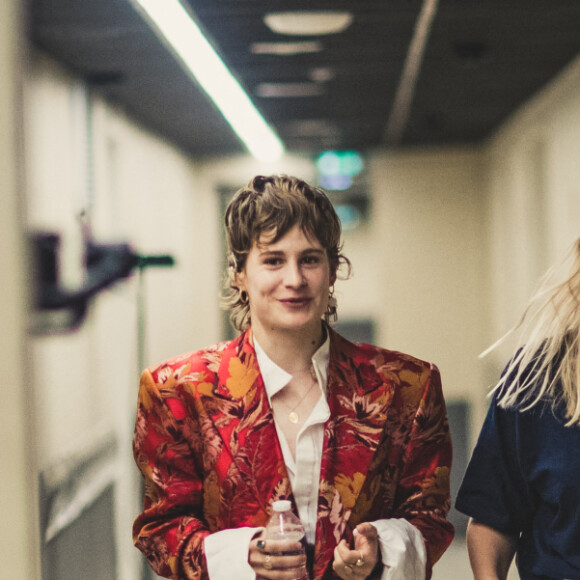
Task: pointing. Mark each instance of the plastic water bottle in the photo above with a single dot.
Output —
(285, 528)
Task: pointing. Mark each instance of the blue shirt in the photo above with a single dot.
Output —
(524, 480)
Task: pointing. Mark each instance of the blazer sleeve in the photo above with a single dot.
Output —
(423, 495)
(170, 531)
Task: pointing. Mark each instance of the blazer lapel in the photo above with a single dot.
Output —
(251, 460)
(358, 411)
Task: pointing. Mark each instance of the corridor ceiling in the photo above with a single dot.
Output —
(480, 60)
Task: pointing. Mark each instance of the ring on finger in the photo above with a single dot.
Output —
(268, 562)
(260, 544)
(360, 562)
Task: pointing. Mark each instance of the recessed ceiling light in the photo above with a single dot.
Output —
(321, 74)
(312, 128)
(269, 90)
(308, 23)
(286, 48)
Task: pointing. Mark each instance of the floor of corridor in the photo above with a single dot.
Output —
(454, 564)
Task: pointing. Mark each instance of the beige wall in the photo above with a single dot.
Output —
(131, 187)
(533, 198)
(429, 259)
(18, 534)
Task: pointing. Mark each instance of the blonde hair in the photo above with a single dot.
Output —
(547, 366)
(276, 203)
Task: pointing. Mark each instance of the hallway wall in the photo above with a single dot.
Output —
(533, 198)
(18, 534)
(93, 173)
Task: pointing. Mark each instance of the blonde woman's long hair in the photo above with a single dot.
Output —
(546, 367)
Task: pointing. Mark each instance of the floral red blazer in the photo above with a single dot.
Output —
(206, 444)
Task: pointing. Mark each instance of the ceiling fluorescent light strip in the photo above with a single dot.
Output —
(179, 29)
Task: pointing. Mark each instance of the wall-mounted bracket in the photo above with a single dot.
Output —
(57, 309)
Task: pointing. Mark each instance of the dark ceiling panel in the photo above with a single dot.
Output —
(483, 59)
(365, 62)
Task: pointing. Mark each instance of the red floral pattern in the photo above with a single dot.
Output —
(206, 444)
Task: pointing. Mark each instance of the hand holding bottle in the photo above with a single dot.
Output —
(279, 554)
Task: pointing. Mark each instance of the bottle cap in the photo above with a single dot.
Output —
(282, 505)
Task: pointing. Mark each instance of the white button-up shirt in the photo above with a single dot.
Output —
(304, 472)
(401, 544)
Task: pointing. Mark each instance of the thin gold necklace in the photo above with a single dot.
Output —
(293, 415)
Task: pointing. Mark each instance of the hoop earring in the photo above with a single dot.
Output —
(243, 297)
(331, 309)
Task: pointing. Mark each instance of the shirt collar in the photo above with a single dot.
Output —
(276, 378)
